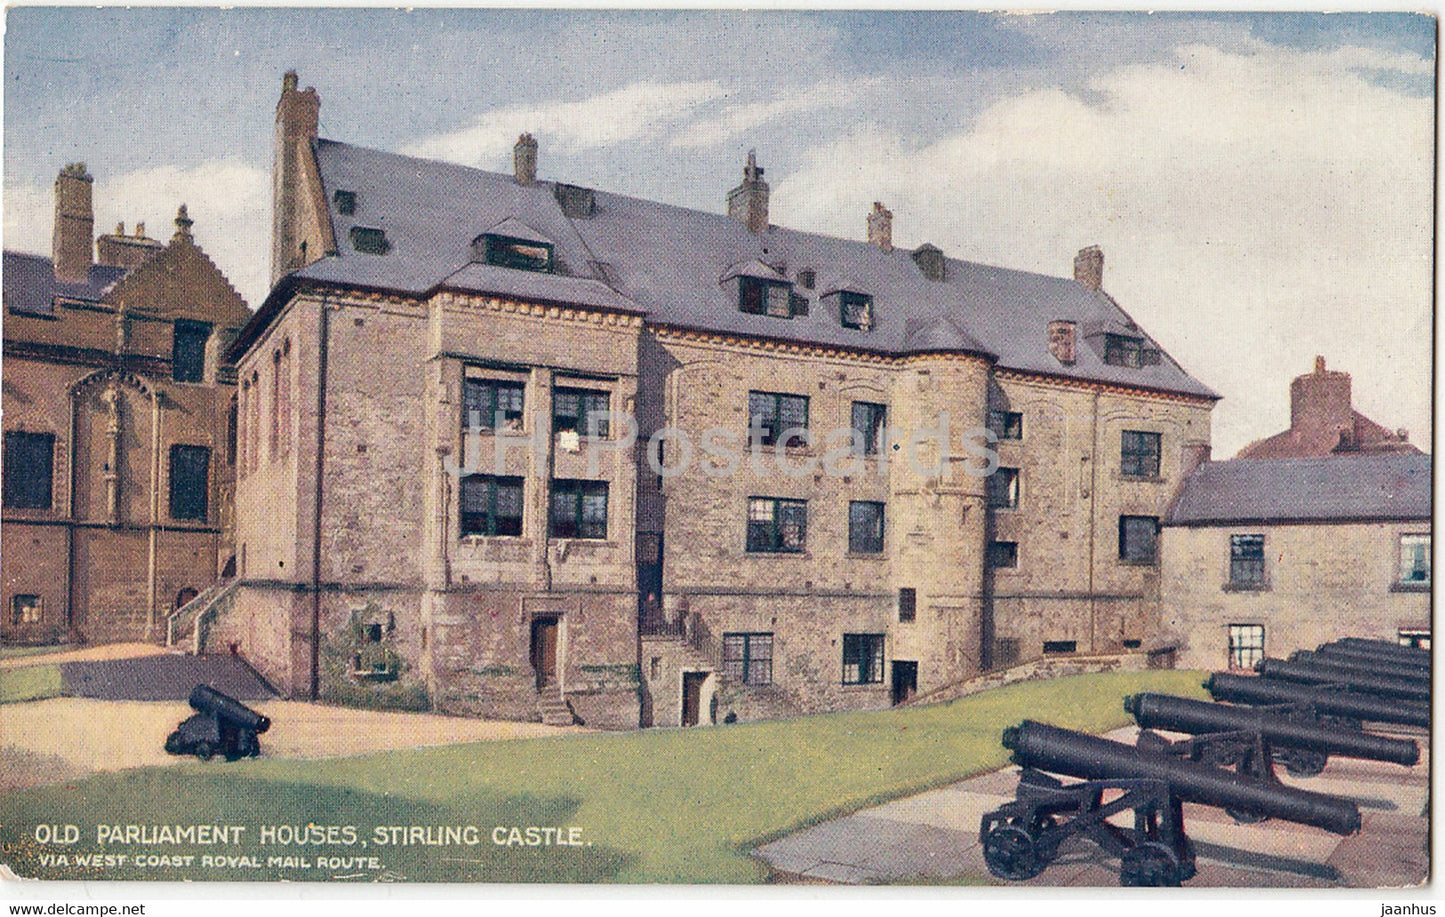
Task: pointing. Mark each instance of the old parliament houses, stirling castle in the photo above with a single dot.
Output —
(377, 557)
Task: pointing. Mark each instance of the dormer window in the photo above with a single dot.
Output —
(856, 310)
(345, 202)
(757, 296)
(1129, 351)
(521, 254)
(369, 241)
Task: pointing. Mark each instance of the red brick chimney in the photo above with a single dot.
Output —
(73, 241)
(880, 227)
(1089, 267)
(524, 159)
(748, 202)
(298, 114)
(1320, 401)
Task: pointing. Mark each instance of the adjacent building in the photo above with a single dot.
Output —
(531, 449)
(118, 419)
(1323, 421)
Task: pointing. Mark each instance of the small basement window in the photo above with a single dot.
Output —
(369, 241)
(521, 254)
(345, 202)
(856, 310)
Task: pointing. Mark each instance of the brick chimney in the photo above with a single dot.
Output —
(524, 159)
(298, 114)
(880, 227)
(1321, 401)
(73, 240)
(1089, 267)
(748, 202)
(128, 251)
(1061, 341)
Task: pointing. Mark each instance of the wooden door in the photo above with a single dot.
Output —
(692, 697)
(905, 680)
(544, 651)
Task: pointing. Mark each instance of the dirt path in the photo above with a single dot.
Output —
(63, 738)
(87, 654)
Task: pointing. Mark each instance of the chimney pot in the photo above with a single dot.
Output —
(288, 82)
(120, 228)
(524, 159)
(748, 202)
(140, 230)
(1319, 365)
(880, 227)
(1089, 267)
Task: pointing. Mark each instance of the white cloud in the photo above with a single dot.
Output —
(640, 110)
(739, 118)
(229, 201)
(1255, 209)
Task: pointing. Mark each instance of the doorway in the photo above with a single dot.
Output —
(905, 680)
(692, 697)
(544, 651)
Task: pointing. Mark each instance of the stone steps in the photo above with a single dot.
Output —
(554, 708)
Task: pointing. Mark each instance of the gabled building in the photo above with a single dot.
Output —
(118, 415)
(729, 562)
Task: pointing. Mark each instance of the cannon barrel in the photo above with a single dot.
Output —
(1074, 754)
(206, 699)
(1246, 689)
(1182, 714)
(1283, 670)
(1357, 655)
(1361, 666)
(1383, 648)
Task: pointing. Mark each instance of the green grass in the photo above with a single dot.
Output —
(35, 682)
(16, 652)
(658, 806)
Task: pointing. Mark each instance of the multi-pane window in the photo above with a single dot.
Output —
(484, 399)
(1246, 645)
(777, 526)
(1003, 488)
(856, 310)
(865, 528)
(28, 469)
(1127, 351)
(25, 609)
(757, 296)
(584, 411)
(748, 658)
(1006, 424)
(1246, 560)
(522, 254)
(773, 414)
(188, 350)
(579, 509)
(1139, 454)
(869, 427)
(862, 659)
(190, 481)
(491, 505)
(1003, 554)
(907, 604)
(1415, 559)
(1138, 539)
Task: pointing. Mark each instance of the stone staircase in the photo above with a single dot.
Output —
(188, 623)
(554, 708)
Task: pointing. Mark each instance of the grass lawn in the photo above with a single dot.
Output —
(35, 682)
(15, 652)
(657, 805)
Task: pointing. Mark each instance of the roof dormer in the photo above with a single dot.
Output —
(855, 308)
(514, 244)
(763, 290)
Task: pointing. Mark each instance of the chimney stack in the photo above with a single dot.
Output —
(1061, 341)
(524, 159)
(73, 242)
(748, 202)
(130, 251)
(1089, 267)
(880, 227)
(1320, 401)
(298, 115)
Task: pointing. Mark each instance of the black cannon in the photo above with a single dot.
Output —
(1021, 837)
(1383, 646)
(1358, 655)
(221, 724)
(1264, 692)
(1356, 665)
(1283, 670)
(1247, 739)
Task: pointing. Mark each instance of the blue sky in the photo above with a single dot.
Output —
(1261, 183)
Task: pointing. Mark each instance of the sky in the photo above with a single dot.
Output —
(1262, 185)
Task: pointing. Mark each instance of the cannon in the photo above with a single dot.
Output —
(1360, 656)
(1264, 692)
(1248, 739)
(1356, 665)
(221, 724)
(1021, 837)
(1283, 670)
(1383, 646)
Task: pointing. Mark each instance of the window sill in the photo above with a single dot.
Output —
(1011, 508)
(1138, 563)
(1140, 478)
(1247, 587)
(1410, 587)
(862, 686)
(871, 555)
(802, 555)
(494, 539)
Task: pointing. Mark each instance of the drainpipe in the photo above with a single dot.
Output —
(323, 334)
(70, 529)
(1093, 521)
(155, 506)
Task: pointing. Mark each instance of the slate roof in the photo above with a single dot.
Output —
(670, 263)
(1337, 488)
(30, 285)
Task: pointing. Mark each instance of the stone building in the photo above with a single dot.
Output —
(118, 468)
(1269, 556)
(1323, 421)
(761, 548)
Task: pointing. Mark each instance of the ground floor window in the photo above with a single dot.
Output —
(1246, 645)
(862, 659)
(1061, 646)
(28, 469)
(748, 658)
(25, 609)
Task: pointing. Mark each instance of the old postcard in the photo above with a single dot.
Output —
(717, 447)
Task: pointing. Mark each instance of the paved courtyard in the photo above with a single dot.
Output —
(934, 836)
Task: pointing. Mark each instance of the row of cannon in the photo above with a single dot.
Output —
(1297, 713)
